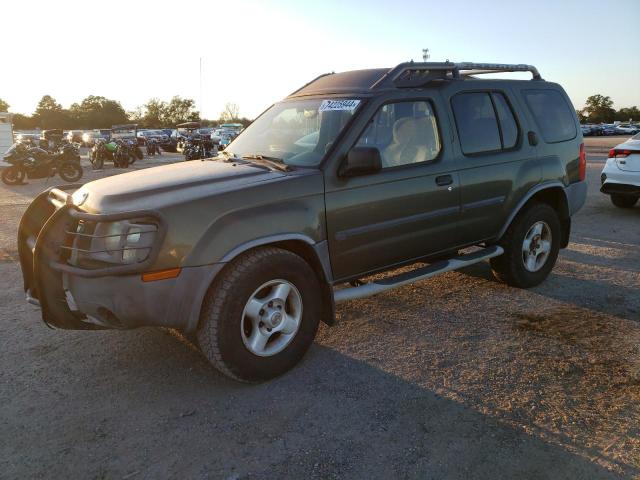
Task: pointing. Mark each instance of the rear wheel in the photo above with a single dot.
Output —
(623, 201)
(70, 172)
(13, 175)
(531, 247)
(261, 315)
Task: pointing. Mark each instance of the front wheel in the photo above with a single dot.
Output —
(531, 247)
(261, 315)
(13, 175)
(70, 172)
(623, 201)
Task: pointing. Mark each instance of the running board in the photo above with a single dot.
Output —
(385, 284)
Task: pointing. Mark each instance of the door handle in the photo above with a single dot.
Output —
(533, 138)
(443, 180)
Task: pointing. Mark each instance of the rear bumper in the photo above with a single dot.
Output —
(75, 297)
(576, 196)
(610, 187)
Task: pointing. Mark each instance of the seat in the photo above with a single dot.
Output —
(414, 141)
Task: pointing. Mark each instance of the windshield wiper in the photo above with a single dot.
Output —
(272, 162)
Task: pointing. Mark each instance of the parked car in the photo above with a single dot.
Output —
(608, 130)
(620, 177)
(250, 251)
(75, 136)
(586, 130)
(626, 129)
(144, 135)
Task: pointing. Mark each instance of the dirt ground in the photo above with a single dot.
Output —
(456, 377)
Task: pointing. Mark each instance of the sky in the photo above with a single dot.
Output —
(254, 53)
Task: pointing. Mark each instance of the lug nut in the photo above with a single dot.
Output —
(261, 312)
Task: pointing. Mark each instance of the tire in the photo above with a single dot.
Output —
(70, 172)
(540, 226)
(97, 162)
(226, 331)
(13, 175)
(623, 201)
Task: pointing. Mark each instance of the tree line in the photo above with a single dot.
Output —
(100, 112)
(599, 109)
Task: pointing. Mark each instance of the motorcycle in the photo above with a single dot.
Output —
(33, 162)
(153, 148)
(196, 148)
(101, 151)
(121, 152)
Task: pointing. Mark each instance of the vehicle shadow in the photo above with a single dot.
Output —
(146, 403)
(604, 285)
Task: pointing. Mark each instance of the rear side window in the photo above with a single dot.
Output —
(485, 122)
(553, 115)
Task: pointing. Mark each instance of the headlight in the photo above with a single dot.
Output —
(85, 137)
(122, 242)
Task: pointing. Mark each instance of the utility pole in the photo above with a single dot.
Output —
(425, 54)
(201, 114)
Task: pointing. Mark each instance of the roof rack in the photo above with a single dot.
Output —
(410, 74)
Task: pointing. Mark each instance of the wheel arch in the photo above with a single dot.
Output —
(553, 194)
(316, 254)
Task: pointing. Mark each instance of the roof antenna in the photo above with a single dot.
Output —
(425, 54)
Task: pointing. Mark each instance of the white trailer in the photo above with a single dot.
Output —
(6, 132)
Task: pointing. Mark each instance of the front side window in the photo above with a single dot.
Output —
(298, 132)
(404, 132)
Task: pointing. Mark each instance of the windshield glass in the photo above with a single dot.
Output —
(297, 132)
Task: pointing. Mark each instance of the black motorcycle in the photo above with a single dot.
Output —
(197, 147)
(153, 147)
(34, 162)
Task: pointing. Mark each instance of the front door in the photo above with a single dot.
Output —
(407, 210)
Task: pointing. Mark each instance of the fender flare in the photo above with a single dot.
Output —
(320, 249)
(523, 201)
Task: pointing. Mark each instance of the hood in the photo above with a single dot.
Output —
(153, 188)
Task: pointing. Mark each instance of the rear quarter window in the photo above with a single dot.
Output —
(553, 115)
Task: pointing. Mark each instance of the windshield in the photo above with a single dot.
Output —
(297, 132)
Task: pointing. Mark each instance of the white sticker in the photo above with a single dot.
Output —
(331, 105)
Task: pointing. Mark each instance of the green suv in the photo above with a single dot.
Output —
(425, 164)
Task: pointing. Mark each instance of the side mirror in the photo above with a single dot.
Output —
(361, 161)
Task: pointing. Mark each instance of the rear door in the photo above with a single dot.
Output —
(497, 164)
(409, 209)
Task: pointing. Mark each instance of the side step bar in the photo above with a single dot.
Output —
(385, 284)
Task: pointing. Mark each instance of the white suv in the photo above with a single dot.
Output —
(621, 175)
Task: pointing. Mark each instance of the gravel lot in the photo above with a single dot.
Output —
(454, 377)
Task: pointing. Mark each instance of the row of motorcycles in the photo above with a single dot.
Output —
(122, 152)
(27, 160)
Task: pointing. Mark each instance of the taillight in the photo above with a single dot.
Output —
(614, 153)
(582, 164)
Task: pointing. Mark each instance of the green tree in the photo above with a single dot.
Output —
(180, 110)
(4, 106)
(599, 109)
(24, 122)
(154, 112)
(624, 114)
(97, 112)
(50, 114)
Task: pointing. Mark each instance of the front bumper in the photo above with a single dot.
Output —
(72, 296)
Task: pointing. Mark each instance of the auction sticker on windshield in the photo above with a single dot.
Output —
(330, 105)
